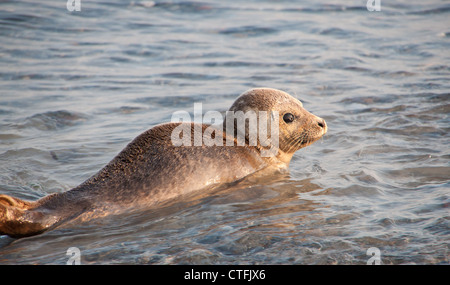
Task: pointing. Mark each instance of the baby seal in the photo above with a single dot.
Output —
(156, 167)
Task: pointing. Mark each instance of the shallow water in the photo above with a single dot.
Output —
(76, 87)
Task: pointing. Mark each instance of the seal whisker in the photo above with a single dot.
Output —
(292, 144)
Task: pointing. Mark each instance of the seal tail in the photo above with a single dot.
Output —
(16, 220)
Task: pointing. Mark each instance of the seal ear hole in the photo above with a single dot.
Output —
(288, 118)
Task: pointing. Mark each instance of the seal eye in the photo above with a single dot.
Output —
(288, 118)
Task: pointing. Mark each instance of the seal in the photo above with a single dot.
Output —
(154, 167)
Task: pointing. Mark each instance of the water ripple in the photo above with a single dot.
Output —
(76, 87)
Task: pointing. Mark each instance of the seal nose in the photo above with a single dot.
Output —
(322, 124)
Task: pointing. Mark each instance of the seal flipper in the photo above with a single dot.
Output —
(15, 202)
(18, 218)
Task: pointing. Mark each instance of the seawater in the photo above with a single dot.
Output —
(76, 87)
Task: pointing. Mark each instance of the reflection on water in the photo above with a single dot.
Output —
(76, 87)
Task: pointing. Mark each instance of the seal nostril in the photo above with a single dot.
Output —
(321, 124)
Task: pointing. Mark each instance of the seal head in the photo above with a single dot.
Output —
(297, 128)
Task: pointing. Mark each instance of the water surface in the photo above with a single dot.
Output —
(76, 87)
